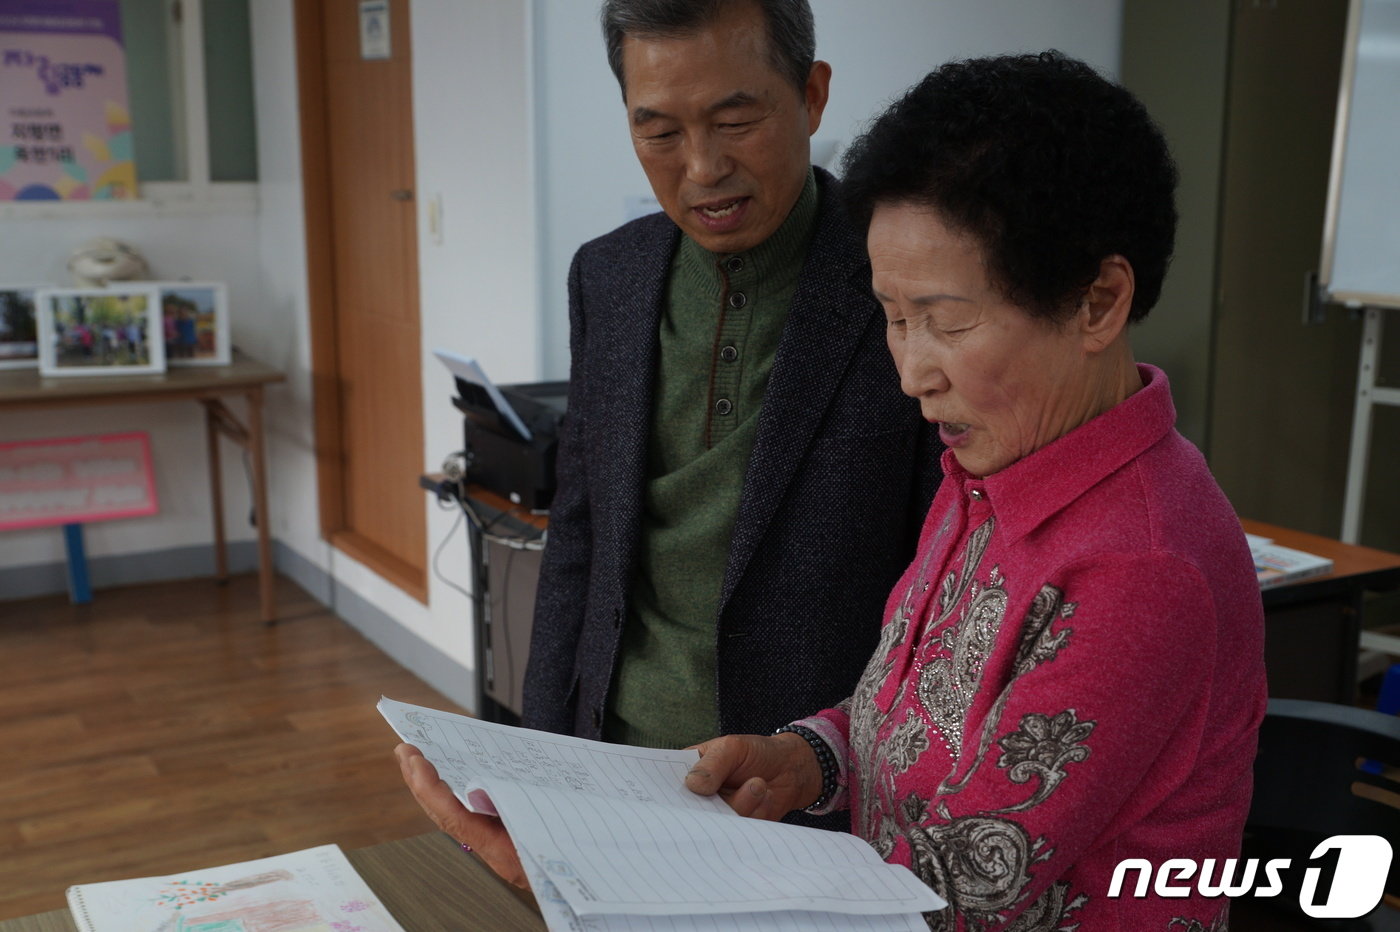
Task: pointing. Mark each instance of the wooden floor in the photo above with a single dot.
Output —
(164, 728)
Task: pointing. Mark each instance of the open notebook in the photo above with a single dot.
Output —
(612, 840)
(315, 889)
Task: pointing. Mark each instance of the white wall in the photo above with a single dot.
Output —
(473, 130)
(876, 50)
(479, 272)
(477, 266)
(217, 244)
(520, 140)
(282, 332)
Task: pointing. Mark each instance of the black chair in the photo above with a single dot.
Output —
(1322, 770)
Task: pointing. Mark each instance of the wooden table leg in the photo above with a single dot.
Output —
(216, 489)
(266, 573)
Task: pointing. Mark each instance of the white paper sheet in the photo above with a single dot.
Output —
(614, 832)
(560, 918)
(470, 370)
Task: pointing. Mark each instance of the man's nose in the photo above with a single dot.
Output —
(706, 162)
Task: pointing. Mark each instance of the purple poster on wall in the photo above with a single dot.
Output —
(65, 125)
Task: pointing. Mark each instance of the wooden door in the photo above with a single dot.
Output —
(357, 128)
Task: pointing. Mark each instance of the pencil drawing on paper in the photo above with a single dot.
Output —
(279, 916)
(181, 893)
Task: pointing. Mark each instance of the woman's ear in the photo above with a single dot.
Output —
(1104, 309)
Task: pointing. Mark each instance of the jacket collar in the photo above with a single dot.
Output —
(832, 308)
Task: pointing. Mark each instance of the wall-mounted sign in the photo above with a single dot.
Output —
(65, 124)
(75, 480)
(374, 30)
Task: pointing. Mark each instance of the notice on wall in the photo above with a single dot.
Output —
(65, 122)
(375, 44)
(76, 480)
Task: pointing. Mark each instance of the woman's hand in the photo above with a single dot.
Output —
(760, 777)
(485, 835)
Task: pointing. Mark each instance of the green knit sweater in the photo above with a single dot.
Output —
(719, 332)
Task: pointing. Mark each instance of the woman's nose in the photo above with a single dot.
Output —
(921, 370)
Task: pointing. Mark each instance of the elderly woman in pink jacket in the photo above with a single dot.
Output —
(1071, 671)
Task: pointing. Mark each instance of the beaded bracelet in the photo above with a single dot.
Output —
(826, 759)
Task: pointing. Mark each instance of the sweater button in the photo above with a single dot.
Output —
(977, 494)
(738, 299)
(723, 406)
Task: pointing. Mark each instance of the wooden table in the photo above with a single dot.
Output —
(23, 389)
(427, 882)
(1312, 633)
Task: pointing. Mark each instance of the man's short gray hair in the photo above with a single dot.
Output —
(792, 36)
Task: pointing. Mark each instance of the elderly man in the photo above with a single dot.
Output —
(741, 479)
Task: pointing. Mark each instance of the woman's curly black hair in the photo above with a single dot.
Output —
(1046, 164)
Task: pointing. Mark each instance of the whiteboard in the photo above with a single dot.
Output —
(1361, 241)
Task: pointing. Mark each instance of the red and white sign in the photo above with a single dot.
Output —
(75, 480)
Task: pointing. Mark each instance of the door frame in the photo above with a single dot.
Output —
(320, 279)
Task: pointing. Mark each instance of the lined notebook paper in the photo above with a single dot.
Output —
(312, 889)
(612, 839)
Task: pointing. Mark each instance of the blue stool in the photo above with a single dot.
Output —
(1389, 701)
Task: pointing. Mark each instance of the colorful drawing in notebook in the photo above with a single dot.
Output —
(316, 890)
(182, 893)
(280, 916)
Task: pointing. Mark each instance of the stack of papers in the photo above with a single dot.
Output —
(611, 839)
(1276, 565)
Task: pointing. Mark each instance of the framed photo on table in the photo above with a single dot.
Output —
(100, 331)
(194, 323)
(19, 333)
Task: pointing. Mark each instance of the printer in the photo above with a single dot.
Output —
(512, 438)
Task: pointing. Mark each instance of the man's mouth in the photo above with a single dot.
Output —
(720, 211)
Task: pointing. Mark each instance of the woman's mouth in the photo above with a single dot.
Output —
(953, 434)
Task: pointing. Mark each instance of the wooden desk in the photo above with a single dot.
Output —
(427, 882)
(1311, 640)
(1313, 627)
(22, 389)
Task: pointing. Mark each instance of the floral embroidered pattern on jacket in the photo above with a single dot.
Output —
(1070, 673)
(981, 864)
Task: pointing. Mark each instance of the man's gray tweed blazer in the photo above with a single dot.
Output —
(842, 472)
